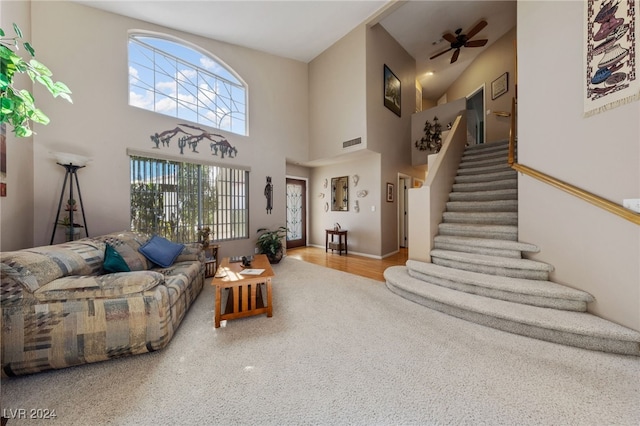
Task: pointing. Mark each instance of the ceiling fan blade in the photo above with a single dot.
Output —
(476, 43)
(475, 30)
(441, 53)
(455, 56)
(449, 37)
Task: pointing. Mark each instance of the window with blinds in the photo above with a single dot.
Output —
(173, 199)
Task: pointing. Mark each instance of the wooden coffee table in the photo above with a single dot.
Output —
(245, 294)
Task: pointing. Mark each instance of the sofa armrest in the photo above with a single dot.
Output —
(190, 253)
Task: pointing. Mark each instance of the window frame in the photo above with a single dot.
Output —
(134, 35)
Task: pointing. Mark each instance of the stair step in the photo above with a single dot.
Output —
(487, 246)
(492, 218)
(487, 177)
(485, 155)
(484, 169)
(483, 206)
(487, 146)
(490, 195)
(486, 186)
(482, 162)
(493, 265)
(500, 232)
(546, 294)
(579, 329)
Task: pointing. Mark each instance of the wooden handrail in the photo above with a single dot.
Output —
(603, 203)
(512, 133)
(596, 200)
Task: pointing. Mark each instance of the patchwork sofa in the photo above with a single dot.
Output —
(60, 307)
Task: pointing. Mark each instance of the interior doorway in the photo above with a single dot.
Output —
(475, 116)
(296, 213)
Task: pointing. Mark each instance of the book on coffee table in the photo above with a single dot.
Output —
(252, 271)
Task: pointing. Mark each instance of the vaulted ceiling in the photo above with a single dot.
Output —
(302, 30)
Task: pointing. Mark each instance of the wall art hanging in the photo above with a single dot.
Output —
(217, 143)
(392, 91)
(610, 42)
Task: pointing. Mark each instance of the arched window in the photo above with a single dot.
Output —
(171, 78)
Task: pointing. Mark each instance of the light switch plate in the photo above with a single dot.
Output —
(632, 204)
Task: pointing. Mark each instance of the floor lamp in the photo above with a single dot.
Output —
(71, 172)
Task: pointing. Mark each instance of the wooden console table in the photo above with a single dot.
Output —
(340, 245)
(245, 295)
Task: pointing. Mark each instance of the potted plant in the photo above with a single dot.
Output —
(203, 236)
(270, 243)
(71, 231)
(18, 106)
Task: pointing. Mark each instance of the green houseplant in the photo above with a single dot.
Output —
(17, 107)
(270, 243)
(71, 232)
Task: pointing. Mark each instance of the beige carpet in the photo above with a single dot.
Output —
(340, 349)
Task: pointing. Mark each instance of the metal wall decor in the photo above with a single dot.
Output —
(268, 193)
(217, 143)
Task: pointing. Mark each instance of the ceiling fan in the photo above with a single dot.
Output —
(463, 40)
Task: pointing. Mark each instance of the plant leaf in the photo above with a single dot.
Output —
(60, 88)
(16, 28)
(27, 97)
(40, 67)
(1, 32)
(29, 48)
(22, 131)
(39, 117)
(6, 106)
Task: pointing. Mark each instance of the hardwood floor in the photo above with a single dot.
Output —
(354, 264)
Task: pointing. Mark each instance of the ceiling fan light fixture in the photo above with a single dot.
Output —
(460, 40)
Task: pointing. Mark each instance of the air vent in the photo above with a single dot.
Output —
(352, 142)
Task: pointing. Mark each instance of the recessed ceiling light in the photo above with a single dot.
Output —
(428, 73)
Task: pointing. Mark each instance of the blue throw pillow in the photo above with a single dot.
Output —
(161, 251)
(113, 261)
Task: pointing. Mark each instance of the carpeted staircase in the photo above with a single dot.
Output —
(478, 272)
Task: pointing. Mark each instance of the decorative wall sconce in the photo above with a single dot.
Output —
(321, 195)
(362, 193)
(356, 178)
(356, 206)
(326, 183)
(326, 207)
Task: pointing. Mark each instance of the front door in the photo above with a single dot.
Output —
(296, 213)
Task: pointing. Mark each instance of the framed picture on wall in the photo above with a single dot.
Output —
(500, 86)
(389, 192)
(392, 98)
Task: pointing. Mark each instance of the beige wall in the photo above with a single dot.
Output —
(346, 88)
(16, 209)
(387, 133)
(362, 226)
(87, 48)
(489, 65)
(591, 249)
(337, 87)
